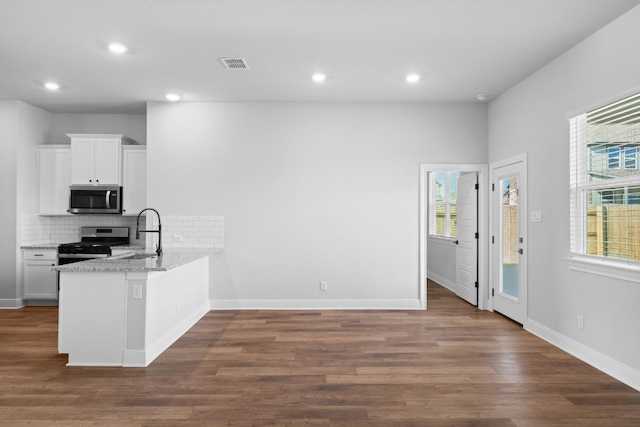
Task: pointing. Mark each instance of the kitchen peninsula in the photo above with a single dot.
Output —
(126, 310)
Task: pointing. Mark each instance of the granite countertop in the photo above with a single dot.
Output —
(120, 263)
(130, 246)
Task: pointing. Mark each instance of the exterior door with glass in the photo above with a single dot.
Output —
(509, 254)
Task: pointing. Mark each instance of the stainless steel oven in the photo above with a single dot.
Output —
(70, 258)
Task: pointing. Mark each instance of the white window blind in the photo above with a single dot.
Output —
(605, 181)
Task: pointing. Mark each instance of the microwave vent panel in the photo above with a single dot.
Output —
(235, 63)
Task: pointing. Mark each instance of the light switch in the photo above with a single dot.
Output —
(536, 216)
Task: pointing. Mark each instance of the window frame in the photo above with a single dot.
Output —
(448, 202)
(581, 160)
(614, 157)
(630, 152)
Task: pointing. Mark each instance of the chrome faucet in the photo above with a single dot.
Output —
(159, 230)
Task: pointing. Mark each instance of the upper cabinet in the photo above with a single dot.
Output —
(92, 160)
(95, 158)
(54, 178)
(134, 179)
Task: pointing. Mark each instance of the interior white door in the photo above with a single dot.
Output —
(467, 242)
(509, 260)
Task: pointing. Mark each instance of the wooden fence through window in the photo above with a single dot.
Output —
(614, 231)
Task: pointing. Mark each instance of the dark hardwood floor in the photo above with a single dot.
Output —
(451, 365)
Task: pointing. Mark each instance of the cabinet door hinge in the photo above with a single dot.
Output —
(476, 284)
(477, 236)
(493, 292)
(493, 187)
(493, 239)
(477, 186)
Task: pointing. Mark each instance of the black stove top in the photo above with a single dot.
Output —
(96, 240)
(87, 247)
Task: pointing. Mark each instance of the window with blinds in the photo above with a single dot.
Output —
(443, 215)
(605, 181)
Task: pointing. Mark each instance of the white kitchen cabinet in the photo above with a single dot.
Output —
(54, 178)
(39, 282)
(134, 179)
(95, 158)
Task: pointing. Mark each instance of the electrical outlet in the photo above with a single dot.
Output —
(580, 322)
(137, 291)
(323, 286)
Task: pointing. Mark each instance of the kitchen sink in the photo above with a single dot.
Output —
(140, 256)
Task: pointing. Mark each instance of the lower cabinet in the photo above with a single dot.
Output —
(39, 282)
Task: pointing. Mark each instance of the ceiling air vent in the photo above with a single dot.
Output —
(235, 63)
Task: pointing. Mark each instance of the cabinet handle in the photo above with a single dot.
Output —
(38, 254)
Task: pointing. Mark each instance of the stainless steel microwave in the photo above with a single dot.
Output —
(95, 199)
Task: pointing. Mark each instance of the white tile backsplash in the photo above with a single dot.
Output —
(35, 229)
(178, 231)
(191, 231)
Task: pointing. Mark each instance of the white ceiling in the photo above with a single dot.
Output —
(460, 48)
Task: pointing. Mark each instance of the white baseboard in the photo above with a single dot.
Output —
(6, 303)
(99, 364)
(442, 281)
(134, 359)
(606, 364)
(322, 304)
(142, 358)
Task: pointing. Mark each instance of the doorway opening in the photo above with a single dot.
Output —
(481, 173)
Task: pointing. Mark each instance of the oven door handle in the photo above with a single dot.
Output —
(83, 255)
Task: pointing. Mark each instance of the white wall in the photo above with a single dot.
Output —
(131, 125)
(441, 262)
(532, 117)
(8, 190)
(23, 127)
(309, 192)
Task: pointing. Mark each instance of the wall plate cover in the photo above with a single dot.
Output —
(536, 216)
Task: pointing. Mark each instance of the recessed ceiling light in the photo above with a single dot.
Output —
(118, 48)
(318, 77)
(413, 78)
(173, 97)
(482, 97)
(52, 85)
